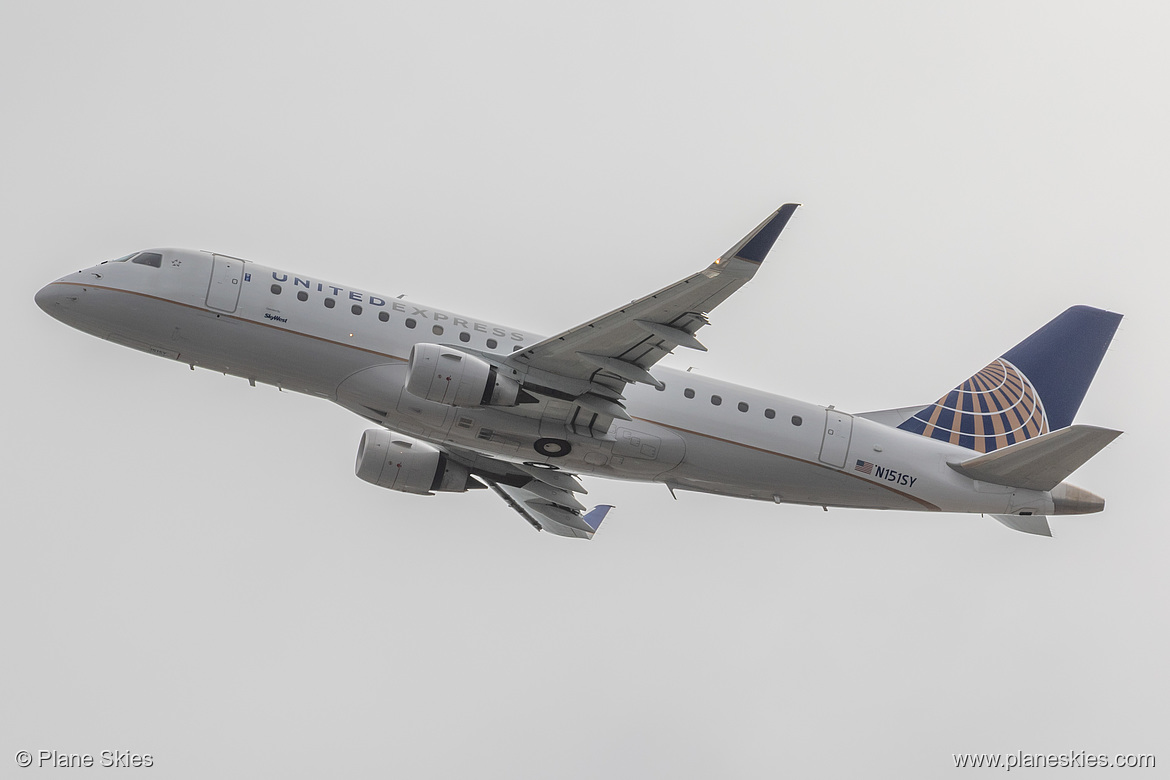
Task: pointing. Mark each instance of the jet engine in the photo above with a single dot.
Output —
(398, 462)
(448, 376)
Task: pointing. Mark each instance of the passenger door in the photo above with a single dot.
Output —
(224, 292)
(835, 445)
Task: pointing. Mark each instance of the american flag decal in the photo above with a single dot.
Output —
(864, 466)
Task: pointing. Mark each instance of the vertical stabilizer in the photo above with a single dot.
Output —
(1035, 387)
(1061, 359)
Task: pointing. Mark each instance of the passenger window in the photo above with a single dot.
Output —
(410, 323)
(275, 289)
(717, 400)
(516, 348)
(153, 259)
(796, 419)
(743, 407)
(437, 330)
(770, 414)
(384, 316)
(330, 303)
(302, 295)
(356, 309)
(492, 343)
(464, 336)
(689, 393)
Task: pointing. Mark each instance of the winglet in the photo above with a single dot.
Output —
(594, 517)
(755, 245)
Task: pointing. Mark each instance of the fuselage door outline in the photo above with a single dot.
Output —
(223, 293)
(835, 444)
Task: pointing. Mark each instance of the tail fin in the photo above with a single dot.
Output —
(1036, 387)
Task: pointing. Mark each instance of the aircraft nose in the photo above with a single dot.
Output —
(56, 299)
(46, 297)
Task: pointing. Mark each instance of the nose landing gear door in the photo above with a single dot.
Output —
(226, 276)
(835, 445)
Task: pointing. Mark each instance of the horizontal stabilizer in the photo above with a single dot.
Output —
(891, 417)
(1028, 524)
(1041, 463)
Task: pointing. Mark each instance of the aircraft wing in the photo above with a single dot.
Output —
(544, 514)
(599, 357)
(545, 498)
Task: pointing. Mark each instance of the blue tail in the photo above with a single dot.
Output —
(1036, 387)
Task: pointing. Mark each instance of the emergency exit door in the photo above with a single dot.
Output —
(226, 275)
(835, 445)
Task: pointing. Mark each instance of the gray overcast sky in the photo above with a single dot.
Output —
(190, 569)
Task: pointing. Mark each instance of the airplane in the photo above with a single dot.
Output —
(462, 403)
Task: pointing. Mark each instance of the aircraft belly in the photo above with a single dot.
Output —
(277, 357)
(223, 343)
(635, 450)
(138, 322)
(726, 468)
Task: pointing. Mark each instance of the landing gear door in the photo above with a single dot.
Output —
(835, 445)
(226, 276)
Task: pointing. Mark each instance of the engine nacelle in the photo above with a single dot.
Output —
(398, 462)
(448, 376)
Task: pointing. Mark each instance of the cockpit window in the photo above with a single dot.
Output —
(148, 258)
(120, 259)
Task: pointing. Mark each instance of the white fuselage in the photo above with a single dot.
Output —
(697, 433)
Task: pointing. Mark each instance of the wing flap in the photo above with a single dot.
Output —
(545, 498)
(669, 333)
(498, 489)
(554, 494)
(548, 515)
(562, 516)
(555, 477)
